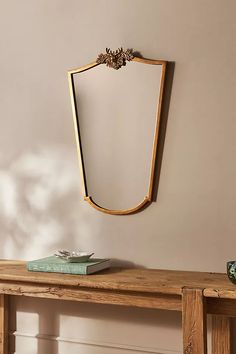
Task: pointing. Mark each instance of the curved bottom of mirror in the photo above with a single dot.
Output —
(145, 202)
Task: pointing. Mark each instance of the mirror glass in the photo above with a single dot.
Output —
(117, 112)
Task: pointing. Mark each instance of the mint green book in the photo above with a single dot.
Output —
(56, 265)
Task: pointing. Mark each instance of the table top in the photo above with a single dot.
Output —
(132, 279)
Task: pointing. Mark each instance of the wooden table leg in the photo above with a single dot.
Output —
(194, 322)
(221, 335)
(3, 324)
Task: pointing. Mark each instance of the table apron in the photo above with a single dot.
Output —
(102, 296)
(224, 307)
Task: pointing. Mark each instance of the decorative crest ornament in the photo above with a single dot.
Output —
(115, 59)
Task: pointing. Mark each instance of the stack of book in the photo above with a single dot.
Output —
(57, 265)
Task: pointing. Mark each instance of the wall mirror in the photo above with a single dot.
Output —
(117, 109)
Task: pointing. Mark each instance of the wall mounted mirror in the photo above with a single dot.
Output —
(116, 117)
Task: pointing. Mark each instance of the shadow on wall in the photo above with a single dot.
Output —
(85, 326)
(39, 194)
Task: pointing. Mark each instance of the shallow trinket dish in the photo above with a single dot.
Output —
(73, 257)
(231, 271)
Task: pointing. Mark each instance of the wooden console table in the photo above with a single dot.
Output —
(196, 294)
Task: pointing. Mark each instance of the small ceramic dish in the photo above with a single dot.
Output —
(73, 257)
(231, 271)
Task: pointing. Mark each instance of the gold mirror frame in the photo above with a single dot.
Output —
(112, 62)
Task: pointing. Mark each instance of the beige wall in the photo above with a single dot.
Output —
(191, 226)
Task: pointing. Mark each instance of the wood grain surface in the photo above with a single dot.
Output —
(221, 335)
(134, 279)
(194, 322)
(3, 324)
